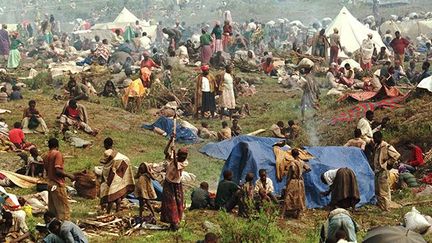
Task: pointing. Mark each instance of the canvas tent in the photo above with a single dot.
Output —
(352, 32)
(249, 154)
(410, 28)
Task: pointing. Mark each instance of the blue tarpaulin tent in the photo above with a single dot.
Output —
(249, 154)
(183, 134)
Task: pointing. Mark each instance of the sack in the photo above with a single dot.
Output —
(86, 184)
(416, 222)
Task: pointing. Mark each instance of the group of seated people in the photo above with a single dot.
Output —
(291, 132)
(225, 133)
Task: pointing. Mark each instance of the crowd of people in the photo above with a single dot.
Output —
(219, 48)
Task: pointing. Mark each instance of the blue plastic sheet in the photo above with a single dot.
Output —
(250, 154)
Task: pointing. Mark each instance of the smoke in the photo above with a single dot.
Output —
(311, 130)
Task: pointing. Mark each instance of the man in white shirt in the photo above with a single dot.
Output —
(364, 125)
(145, 41)
(264, 187)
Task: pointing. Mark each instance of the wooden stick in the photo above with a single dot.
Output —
(416, 203)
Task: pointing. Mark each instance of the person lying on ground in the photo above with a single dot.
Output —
(32, 118)
(357, 141)
(200, 197)
(225, 132)
(75, 115)
(406, 179)
(144, 189)
(64, 230)
(343, 188)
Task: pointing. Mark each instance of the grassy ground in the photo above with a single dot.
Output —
(269, 105)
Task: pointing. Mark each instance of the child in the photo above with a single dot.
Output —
(144, 189)
(205, 133)
(167, 79)
(200, 197)
(16, 136)
(235, 128)
(3, 95)
(16, 94)
(35, 165)
(225, 132)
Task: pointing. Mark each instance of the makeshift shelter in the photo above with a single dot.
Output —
(410, 28)
(426, 84)
(250, 154)
(352, 32)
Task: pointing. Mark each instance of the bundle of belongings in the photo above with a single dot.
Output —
(417, 222)
(86, 184)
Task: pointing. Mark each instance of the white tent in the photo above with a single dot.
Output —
(126, 16)
(410, 28)
(352, 32)
(426, 84)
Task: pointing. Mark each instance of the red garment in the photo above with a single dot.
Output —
(73, 113)
(427, 179)
(267, 68)
(148, 64)
(16, 136)
(399, 45)
(416, 157)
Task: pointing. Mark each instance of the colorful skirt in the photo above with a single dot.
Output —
(172, 203)
(206, 53)
(14, 58)
(218, 45)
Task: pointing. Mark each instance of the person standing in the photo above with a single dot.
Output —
(367, 49)
(227, 35)
(204, 93)
(228, 102)
(335, 46)
(399, 44)
(14, 54)
(4, 42)
(172, 194)
(295, 195)
(365, 126)
(58, 203)
(217, 36)
(320, 44)
(384, 157)
(206, 50)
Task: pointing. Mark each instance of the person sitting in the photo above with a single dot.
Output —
(268, 67)
(383, 56)
(64, 230)
(144, 189)
(109, 90)
(10, 229)
(103, 52)
(205, 133)
(32, 118)
(348, 77)
(218, 60)
(75, 115)
(3, 95)
(117, 39)
(16, 136)
(293, 130)
(411, 73)
(200, 197)
(357, 141)
(398, 73)
(77, 90)
(167, 77)
(425, 72)
(416, 159)
(35, 165)
(16, 93)
(235, 128)
(264, 187)
(343, 187)
(228, 193)
(225, 132)
(276, 129)
(339, 220)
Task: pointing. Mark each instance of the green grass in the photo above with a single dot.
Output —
(268, 106)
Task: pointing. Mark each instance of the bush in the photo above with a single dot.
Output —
(262, 227)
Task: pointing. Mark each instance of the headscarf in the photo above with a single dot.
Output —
(205, 68)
